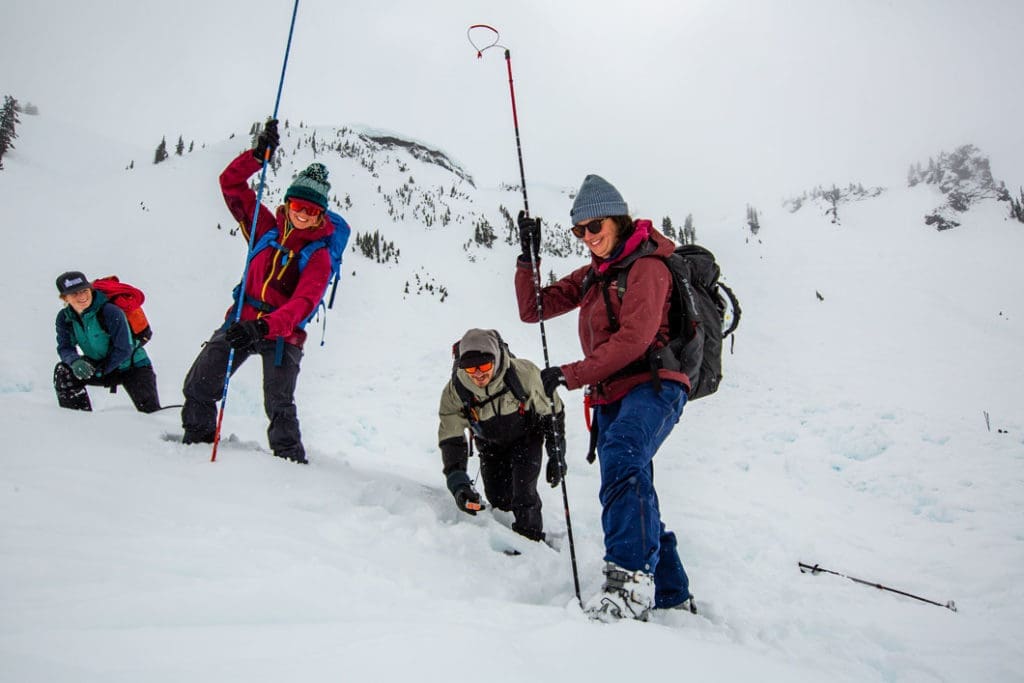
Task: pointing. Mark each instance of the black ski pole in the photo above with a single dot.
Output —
(252, 239)
(534, 249)
(805, 568)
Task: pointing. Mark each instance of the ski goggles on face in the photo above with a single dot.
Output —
(593, 227)
(302, 206)
(481, 369)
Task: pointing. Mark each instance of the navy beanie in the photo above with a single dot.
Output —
(597, 198)
(311, 185)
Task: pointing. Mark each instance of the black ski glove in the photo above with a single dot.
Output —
(468, 500)
(557, 468)
(529, 231)
(552, 378)
(554, 444)
(247, 334)
(268, 139)
(466, 497)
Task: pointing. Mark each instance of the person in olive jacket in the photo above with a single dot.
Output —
(501, 400)
(96, 348)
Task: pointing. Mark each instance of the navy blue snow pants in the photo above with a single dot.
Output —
(629, 434)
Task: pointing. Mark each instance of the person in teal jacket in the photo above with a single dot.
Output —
(96, 348)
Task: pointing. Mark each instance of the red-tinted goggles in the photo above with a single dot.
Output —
(302, 206)
(593, 227)
(482, 368)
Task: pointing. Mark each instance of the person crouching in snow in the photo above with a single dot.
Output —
(501, 400)
(110, 356)
(633, 415)
(278, 297)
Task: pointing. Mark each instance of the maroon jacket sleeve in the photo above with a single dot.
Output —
(241, 200)
(557, 299)
(643, 312)
(306, 297)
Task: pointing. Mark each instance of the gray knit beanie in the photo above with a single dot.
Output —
(311, 185)
(597, 198)
(478, 346)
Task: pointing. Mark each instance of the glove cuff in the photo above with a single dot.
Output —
(456, 480)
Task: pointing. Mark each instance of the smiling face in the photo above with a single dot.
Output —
(603, 243)
(80, 300)
(304, 215)
(481, 374)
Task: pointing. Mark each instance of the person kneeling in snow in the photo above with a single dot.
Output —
(110, 355)
(501, 400)
(279, 295)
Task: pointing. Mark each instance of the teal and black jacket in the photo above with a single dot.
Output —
(103, 335)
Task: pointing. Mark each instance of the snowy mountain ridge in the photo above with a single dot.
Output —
(875, 430)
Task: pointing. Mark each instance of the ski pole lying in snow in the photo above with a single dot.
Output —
(804, 568)
(534, 248)
(252, 239)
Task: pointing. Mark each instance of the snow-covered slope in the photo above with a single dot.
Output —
(850, 432)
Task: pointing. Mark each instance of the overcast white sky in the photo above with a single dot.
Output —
(685, 105)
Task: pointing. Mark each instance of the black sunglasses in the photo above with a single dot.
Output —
(593, 227)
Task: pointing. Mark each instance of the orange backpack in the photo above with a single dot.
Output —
(129, 299)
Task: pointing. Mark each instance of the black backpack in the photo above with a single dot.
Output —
(702, 314)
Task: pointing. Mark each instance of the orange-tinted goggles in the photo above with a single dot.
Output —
(482, 368)
(302, 206)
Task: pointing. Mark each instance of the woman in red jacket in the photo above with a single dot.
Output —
(634, 413)
(278, 297)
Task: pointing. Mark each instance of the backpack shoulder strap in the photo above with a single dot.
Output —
(515, 385)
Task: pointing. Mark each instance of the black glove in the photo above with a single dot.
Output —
(268, 139)
(552, 378)
(555, 473)
(466, 497)
(468, 500)
(529, 231)
(247, 334)
(554, 444)
(144, 335)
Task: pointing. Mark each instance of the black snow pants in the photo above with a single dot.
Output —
(510, 474)
(204, 386)
(138, 381)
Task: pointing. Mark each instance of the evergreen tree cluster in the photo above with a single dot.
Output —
(483, 233)
(377, 249)
(688, 235)
(964, 176)
(832, 197)
(8, 120)
(1017, 207)
(426, 285)
(559, 241)
(161, 153)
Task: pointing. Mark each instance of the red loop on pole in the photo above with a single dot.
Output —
(480, 50)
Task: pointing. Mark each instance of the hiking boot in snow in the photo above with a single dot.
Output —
(626, 594)
(294, 456)
(687, 605)
(191, 437)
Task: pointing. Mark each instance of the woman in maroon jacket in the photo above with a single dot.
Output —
(633, 412)
(278, 297)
